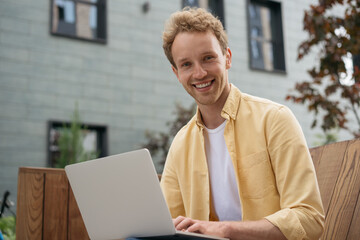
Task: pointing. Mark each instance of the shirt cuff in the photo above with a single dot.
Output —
(288, 223)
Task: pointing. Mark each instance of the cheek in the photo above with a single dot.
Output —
(183, 77)
(219, 69)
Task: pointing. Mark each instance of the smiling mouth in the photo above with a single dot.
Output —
(203, 85)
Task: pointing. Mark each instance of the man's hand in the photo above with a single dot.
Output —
(204, 227)
(261, 229)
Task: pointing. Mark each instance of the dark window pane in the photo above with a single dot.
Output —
(255, 49)
(265, 36)
(253, 11)
(64, 17)
(190, 3)
(85, 19)
(215, 7)
(93, 140)
(356, 61)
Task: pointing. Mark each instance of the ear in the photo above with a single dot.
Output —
(228, 58)
(175, 72)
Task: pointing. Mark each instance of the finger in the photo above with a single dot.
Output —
(196, 228)
(178, 220)
(184, 224)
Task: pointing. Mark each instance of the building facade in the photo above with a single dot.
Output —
(106, 58)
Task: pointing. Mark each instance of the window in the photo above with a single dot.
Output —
(81, 19)
(266, 45)
(216, 7)
(93, 140)
(356, 61)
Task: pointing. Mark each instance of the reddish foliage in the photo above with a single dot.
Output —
(324, 91)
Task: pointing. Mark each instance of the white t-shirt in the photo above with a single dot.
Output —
(224, 191)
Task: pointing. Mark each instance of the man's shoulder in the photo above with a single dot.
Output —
(257, 110)
(243, 101)
(259, 101)
(260, 105)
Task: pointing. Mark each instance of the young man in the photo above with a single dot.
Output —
(240, 168)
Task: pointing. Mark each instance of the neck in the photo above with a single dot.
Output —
(211, 114)
(211, 119)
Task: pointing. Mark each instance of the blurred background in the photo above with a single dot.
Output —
(97, 68)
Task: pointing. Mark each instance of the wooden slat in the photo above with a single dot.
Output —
(327, 170)
(40, 170)
(344, 198)
(76, 224)
(316, 155)
(354, 232)
(55, 206)
(29, 222)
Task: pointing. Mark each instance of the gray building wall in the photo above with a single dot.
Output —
(126, 84)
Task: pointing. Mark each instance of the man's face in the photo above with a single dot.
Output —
(201, 67)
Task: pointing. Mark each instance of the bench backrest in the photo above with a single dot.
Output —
(338, 171)
(46, 207)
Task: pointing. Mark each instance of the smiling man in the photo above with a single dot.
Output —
(240, 168)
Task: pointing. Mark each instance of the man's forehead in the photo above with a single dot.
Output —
(198, 38)
(195, 33)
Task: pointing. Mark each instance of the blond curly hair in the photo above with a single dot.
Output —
(192, 20)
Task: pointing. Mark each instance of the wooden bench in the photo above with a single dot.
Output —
(46, 208)
(338, 171)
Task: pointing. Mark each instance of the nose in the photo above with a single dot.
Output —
(199, 72)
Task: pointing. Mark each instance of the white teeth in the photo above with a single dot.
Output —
(203, 85)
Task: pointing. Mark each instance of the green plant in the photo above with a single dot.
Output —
(326, 138)
(158, 143)
(334, 90)
(7, 227)
(71, 143)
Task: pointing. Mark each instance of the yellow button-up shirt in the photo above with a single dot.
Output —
(274, 172)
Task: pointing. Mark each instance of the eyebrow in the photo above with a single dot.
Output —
(209, 52)
(182, 59)
(204, 53)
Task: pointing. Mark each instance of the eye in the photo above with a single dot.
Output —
(207, 58)
(186, 64)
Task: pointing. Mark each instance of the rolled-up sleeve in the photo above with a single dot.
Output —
(301, 215)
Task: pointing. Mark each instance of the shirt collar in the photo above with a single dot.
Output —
(230, 108)
(232, 104)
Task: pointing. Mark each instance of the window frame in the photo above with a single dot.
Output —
(102, 22)
(102, 139)
(279, 60)
(217, 9)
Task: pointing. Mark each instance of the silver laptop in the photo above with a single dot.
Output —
(120, 197)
